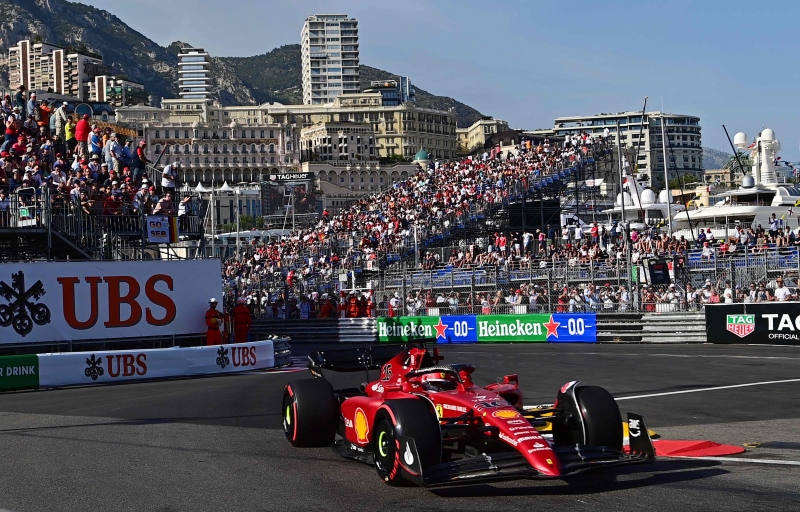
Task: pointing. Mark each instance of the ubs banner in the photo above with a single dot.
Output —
(774, 323)
(41, 302)
(530, 328)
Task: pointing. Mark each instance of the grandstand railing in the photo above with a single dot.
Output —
(92, 232)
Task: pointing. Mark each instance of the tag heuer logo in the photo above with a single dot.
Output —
(741, 325)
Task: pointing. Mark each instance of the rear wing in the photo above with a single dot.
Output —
(359, 359)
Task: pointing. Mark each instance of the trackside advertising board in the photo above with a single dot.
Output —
(105, 367)
(532, 328)
(41, 302)
(773, 323)
(19, 372)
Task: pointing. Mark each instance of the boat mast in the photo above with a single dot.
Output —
(666, 175)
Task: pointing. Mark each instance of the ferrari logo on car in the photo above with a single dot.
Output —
(361, 426)
(439, 411)
(741, 325)
(506, 414)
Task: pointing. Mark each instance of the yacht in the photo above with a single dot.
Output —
(642, 208)
(753, 203)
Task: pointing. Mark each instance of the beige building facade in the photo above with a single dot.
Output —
(474, 137)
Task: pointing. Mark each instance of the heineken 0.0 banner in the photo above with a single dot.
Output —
(774, 323)
(532, 328)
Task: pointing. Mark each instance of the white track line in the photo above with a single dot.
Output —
(741, 459)
(707, 389)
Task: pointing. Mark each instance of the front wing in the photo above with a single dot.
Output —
(512, 465)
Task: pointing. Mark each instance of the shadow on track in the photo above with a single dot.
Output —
(664, 472)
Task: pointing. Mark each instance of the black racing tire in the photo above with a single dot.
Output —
(408, 418)
(601, 418)
(310, 413)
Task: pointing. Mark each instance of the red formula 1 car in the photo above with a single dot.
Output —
(427, 423)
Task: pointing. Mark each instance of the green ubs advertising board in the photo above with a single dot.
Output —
(533, 328)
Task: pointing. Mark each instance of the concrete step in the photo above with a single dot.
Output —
(673, 317)
(674, 338)
(675, 328)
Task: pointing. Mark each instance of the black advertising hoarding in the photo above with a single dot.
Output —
(291, 176)
(773, 323)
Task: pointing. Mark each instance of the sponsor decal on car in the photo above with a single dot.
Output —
(518, 422)
(490, 405)
(537, 447)
(439, 411)
(529, 438)
(348, 423)
(456, 408)
(378, 388)
(361, 426)
(523, 431)
(509, 440)
(408, 457)
(634, 428)
(506, 414)
(741, 325)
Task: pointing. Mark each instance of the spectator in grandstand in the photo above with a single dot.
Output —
(169, 176)
(763, 294)
(782, 293)
(165, 205)
(82, 132)
(20, 100)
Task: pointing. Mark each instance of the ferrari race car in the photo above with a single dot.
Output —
(427, 423)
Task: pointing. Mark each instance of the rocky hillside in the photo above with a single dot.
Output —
(239, 80)
(714, 158)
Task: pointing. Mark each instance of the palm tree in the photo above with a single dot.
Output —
(733, 164)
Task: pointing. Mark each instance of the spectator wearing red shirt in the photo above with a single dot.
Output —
(82, 130)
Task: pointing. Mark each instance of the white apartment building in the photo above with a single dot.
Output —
(642, 143)
(194, 74)
(47, 67)
(117, 91)
(329, 57)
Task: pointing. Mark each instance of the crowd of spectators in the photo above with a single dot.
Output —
(387, 222)
(81, 165)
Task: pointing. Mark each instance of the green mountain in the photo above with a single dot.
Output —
(238, 80)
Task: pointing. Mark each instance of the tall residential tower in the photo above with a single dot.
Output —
(194, 74)
(329, 55)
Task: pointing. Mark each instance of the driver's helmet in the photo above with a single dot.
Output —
(438, 381)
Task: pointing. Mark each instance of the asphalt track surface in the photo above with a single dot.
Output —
(216, 444)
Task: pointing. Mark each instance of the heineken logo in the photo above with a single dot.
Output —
(412, 330)
(741, 325)
(514, 327)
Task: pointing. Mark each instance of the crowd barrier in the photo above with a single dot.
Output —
(105, 367)
(773, 323)
(512, 328)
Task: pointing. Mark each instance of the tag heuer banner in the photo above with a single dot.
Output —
(292, 176)
(532, 328)
(774, 323)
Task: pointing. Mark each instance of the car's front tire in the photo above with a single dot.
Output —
(410, 418)
(596, 420)
(310, 412)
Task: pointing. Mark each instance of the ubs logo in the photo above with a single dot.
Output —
(22, 310)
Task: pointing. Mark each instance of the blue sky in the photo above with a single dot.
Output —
(728, 62)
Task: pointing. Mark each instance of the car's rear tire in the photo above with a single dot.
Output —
(310, 412)
(597, 412)
(411, 418)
